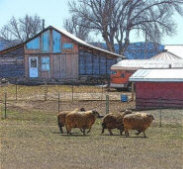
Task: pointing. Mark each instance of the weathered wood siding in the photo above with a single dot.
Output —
(61, 50)
(159, 95)
(12, 64)
(95, 64)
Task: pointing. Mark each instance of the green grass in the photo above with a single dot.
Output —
(31, 139)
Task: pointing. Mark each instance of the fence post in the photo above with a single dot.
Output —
(5, 105)
(107, 104)
(16, 90)
(102, 91)
(58, 102)
(45, 91)
(72, 92)
(160, 118)
(133, 91)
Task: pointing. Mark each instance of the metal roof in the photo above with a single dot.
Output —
(157, 75)
(162, 60)
(166, 55)
(175, 49)
(85, 43)
(64, 32)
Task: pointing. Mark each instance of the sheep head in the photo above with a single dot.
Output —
(82, 109)
(95, 113)
(150, 116)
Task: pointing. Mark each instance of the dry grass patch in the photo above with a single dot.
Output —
(32, 140)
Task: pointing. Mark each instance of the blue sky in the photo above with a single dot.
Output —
(55, 11)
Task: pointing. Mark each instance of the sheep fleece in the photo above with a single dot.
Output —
(80, 120)
(137, 121)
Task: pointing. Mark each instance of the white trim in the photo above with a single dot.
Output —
(157, 75)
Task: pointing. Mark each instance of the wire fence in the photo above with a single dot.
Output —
(56, 98)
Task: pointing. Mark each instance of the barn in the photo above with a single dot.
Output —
(125, 68)
(56, 56)
(158, 88)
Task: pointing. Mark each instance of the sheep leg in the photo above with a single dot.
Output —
(89, 130)
(60, 127)
(126, 133)
(68, 130)
(103, 130)
(110, 132)
(84, 132)
(81, 130)
(61, 130)
(121, 131)
(138, 132)
(144, 134)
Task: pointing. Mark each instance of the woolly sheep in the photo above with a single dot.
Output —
(137, 121)
(82, 121)
(62, 115)
(113, 121)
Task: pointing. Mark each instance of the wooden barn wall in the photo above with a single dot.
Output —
(95, 63)
(159, 95)
(12, 64)
(62, 51)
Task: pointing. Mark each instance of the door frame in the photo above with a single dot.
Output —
(37, 62)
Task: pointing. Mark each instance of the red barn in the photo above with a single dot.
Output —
(158, 88)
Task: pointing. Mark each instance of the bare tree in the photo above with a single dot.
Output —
(21, 29)
(115, 19)
(73, 25)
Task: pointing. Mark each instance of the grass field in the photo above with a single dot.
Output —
(30, 139)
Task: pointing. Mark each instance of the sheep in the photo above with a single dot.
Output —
(114, 120)
(137, 121)
(62, 115)
(82, 121)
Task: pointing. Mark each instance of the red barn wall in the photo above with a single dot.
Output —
(159, 95)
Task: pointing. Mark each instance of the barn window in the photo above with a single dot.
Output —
(96, 62)
(33, 44)
(45, 41)
(82, 63)
(45, 63)
(113, 72)
(102, 65)
(123, 75)
(56, 42)
(88, 63)
(68, 46)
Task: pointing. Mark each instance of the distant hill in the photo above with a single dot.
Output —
(138, 50)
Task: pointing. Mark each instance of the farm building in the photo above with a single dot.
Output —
(158, 88)
(125, 68)
(56, 55)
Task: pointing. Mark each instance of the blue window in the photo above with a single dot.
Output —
(33, 44)
(68, 46)
(45, 63)
(113, 72)
(45, 41)
(96, 62)
(56, 42)
(88, 63)
(81, 63)
(102, 65)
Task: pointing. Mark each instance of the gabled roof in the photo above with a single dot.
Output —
(175, 49)
(162, 60)
(157, 75)
(74, 38)
(165, 55)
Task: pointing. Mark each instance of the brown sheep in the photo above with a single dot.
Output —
(82, 121)
(114, 120)
(137, 121)
(62, 115)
